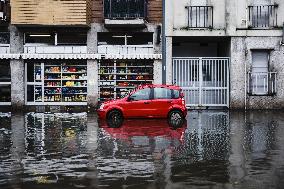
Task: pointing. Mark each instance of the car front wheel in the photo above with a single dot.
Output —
(114, 118)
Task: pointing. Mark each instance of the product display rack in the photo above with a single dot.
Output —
(60, 84)
(118, 77)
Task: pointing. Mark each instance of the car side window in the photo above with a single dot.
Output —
(162, 93)
(176, 94)
(143, 94)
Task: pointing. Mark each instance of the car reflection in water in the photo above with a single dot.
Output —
(144, 127)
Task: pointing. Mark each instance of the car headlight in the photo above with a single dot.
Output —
(102, 106)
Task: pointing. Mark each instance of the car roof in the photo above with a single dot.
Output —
(159, 86)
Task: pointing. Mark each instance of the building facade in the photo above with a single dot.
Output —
(76, 53)
(226, 53)
(223, 53)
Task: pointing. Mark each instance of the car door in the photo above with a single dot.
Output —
(161, 102)
(139, 104)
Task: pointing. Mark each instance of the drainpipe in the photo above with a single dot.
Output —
(164, 62)
(246, 87)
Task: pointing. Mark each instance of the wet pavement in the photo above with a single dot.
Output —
(214, 149)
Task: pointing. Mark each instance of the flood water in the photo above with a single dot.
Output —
(215, 149)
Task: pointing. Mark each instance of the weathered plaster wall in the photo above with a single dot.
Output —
(276, 64)
(92, 66)
(17, 70)
(241, 64)
(237, 72)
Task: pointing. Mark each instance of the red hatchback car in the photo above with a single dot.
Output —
(151, 101)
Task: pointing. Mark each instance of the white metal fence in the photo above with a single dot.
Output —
(205, 81)
(262, 83)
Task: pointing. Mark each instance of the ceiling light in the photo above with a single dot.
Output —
(39, 35)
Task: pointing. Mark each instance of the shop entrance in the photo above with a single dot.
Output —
(205, 81)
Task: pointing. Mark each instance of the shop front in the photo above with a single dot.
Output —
(56, 82)
(118, 77)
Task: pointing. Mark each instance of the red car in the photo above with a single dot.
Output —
(150, 101)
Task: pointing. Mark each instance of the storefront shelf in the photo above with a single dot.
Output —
(117, 77)
(74, 79)
(133, 80)
(52, 79)
(74, 72)
(74, 86)
(74, 94)
(125, 74)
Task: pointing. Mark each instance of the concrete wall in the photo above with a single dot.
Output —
(230, 21)
(230, 18)
(92, 66)
(17, 70)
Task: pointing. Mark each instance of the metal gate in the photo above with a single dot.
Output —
(205, 81)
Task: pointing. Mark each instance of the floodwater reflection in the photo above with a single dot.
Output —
(212, 150)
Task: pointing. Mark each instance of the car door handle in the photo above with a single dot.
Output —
(170, 101)
(146, 102)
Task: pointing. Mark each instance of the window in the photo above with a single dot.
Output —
(200, 15)
(41, 38)
(261, 81)
(262, 14)
(71, 38)
(5, 83)
(260, 60)
(4, 38)
(162, 93)
(125, 39)
(176, 94)
(143, 94)
(3, 10)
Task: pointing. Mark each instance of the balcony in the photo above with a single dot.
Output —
(125, 13)
(33, 49)
(263, 16)
(200, 16)
(4, 48)
(262, 83)
(126, 49)
(50, 12)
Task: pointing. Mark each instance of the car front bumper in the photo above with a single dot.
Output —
(102, 113)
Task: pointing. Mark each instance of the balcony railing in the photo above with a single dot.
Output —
(200, 16)
(28, 49)
(125, 49)
(262, 83)
(263, 16)
(125, 9)
(4, 48)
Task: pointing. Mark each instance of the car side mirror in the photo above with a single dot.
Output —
(181, 95)
(130, 98)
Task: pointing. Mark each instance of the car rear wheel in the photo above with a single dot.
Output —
(176, 118)
(114, 118)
